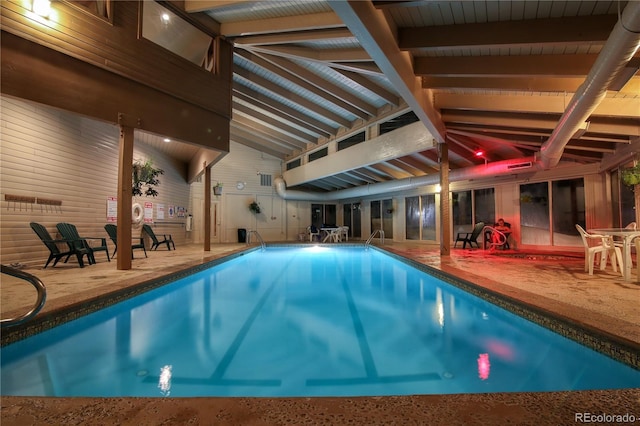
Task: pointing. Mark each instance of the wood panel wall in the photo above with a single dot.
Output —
(84, 64)
(56, 155)
(243, 164)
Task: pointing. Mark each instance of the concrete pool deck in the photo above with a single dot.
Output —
(556, 284)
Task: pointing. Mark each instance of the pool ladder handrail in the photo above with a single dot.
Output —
(373, 234)
(502, 238)
(262, 244)
(40, 288)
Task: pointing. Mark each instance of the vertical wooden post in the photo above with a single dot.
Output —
(636, 197)
(207, 207)
(125, 169)
(445, 217)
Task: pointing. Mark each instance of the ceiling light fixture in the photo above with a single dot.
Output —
(166, 140)
(41, 8)
(480, 154)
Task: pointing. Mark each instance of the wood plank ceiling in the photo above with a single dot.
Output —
(494, 76)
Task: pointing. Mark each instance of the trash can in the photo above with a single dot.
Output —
(242, 235)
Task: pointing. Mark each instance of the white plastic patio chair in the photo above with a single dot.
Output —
(601, 246)
(633, 226)
(313, 234)
(344, 233)
(335, 236)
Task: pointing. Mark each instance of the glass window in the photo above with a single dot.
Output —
(622, 201)
(356, 221)
(387, 218)
(485, 206)
(382, 216)
(462, 211)
(429, 217)
(323, 214)
(627, 206)
(293, 164)
(420, 217)
(318, 154)
(534, 213)
(103, 9)
(168, 30)
(317, 215)
(568, 209)
(412, 218)
(330, 214)
(376, 216)
(398, 122)
(351, 140)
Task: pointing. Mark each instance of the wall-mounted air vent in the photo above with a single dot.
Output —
(518, 166)
(265, 179)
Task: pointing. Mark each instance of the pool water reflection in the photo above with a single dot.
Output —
(314, 321)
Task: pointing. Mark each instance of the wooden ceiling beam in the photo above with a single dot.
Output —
(293, 37)
(311, 82)
(282, 92)
(575, 30)
(577, 65)
(246, 117)
(377, 36)
(624, 107)
(281, 24)
(332, 91)
(288, 114)
(367, 84)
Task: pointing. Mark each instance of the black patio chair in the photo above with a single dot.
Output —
(55, 253)
(470, 237)
(76, 242)
(167, 239)
(112, 230)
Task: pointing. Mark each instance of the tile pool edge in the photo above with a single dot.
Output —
(616, 347)
(59, 316)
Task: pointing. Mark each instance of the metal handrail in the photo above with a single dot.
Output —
(373, 234)
(40, 288)
(502, 240)
(262, 244)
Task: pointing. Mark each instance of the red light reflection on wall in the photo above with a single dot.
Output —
(483, 366)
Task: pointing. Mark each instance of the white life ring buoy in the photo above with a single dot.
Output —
(137, 213)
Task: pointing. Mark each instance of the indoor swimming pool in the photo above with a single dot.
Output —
(304, 321)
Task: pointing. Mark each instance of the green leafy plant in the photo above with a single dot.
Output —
(254, 207)
(145, 179)
(631, 175)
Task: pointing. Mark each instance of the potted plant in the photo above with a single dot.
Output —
(217, 190)
(145, 178)
(631, 175)
(254, 207)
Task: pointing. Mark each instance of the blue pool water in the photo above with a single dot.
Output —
(304, 322)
